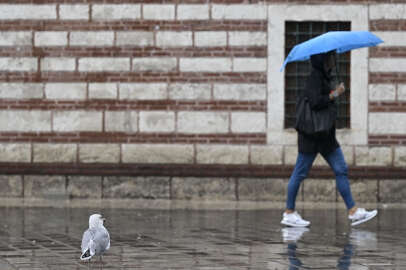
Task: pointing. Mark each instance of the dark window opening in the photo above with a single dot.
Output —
(296, 73)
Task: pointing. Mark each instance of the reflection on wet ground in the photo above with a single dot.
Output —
(48, 238)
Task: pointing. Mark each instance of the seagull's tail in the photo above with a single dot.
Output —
(86, 255)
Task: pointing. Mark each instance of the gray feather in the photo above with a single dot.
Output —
(96, 239)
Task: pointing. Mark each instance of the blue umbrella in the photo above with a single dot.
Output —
(340, 41)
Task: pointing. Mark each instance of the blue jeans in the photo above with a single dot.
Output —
(303, 164)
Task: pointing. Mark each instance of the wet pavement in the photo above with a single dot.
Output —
(49, 238)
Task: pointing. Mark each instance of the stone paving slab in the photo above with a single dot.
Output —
(49, 238)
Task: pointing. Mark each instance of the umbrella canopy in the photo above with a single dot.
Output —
(340, 41)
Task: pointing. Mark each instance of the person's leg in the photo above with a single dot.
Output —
(340, 168)
(303, 164)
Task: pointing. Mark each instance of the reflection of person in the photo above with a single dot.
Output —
(291, 236)
(320, 96)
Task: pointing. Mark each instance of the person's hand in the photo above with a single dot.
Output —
(340, 88)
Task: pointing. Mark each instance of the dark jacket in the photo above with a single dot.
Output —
(317, 91)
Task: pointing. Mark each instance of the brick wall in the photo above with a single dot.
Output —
(170, 88)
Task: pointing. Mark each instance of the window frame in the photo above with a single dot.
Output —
(277, 16)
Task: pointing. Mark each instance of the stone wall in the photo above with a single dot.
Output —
(91, 89)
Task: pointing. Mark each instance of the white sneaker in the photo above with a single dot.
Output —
(290, 234)
(294, 220)
(361, 216)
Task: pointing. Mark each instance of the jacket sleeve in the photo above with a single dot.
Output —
(317, 100)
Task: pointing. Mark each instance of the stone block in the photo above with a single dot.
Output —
(159, 12)
(44, 152)
(320, 161)
(400, 156)
(203, 122)
(239, 91)
(193, 12)
(58, 64)
(51, 38)
(248, 64)
(392, 191)
(402, 92)
(84, 187)
(210, 38)
(27, 12)
(192, 188)
(187, 91)
(239, 12)
(319, 190)
(373, 156)
(290, 155)
(15, 152)
(19, 64)
(135, 38)
(387, 64)
(45, 187)
(392, 38)
(103, 90)
(197, 64)
(11, 186)
(262, 189)
(99, 153)
(174, 39)
(104, 64)
(266, 154)
(154, 64)
(106, 12)
(222, 154)
(363, 191)
(65, 91)
(248, 122)
(242, 38)
(382, 92)
(157, 121)
(21, 90)
(157, 153)
(348, 152)
(387, 11)
(91, 38)
(387, 123)
(143, 91)
(11, 38)
(25, 121)
(71, 121)
(74, 12)
(136, 187)
(121, 121)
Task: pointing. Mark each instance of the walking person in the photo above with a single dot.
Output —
(320, 95)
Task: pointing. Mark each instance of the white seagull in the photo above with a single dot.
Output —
(96, 239)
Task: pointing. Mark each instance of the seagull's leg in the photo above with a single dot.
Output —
(101, 262)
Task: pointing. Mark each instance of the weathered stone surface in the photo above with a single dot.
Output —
(54, 152)
(141, 38)
(190, 188)
(382, 92)
(266, 155)
(103, 90)
(199, 91)
(154, 64)
(106, 12)
(157, 153)
(27, 12)
(142, 91)
(104, 64)
(239, 91)
(65, 90)
(159, 12)
(392, 191)
(84, 187)
(174, 39)
(239, 12)
(222, 154)
(363, 191)
(50, 38)
(74, 12)
(90, 38)
(15, 152)
(249, 64)
(210, 38)
(25, 120)
(77, 121)
(387, 123)
(99, 153)
(45, 187)
(124, 121)
(19, 38)
(319, 190)
(19, 64)
(290, 155)
(248, 122)
(193, 12)
(239, 38)
(136, 187)
(203, 122)
(401, 91)
(373, 156)
(262, 189)
(400, 156)
(21, 90)
(157, 121)
(58, 64)
(198, 64)
(11, 186)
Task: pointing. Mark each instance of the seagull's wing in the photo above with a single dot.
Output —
(101, 240)
(86, 239)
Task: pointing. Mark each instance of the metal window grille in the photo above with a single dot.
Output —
(296, 73)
